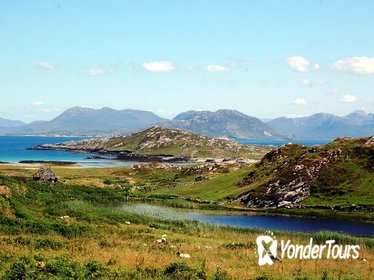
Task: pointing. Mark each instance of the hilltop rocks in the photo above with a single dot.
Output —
(293, 176)
(200, 178)
(154, 166)
(128, 156)
(45, 175)
(205, 168)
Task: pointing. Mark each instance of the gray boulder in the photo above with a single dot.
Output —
(45, 175)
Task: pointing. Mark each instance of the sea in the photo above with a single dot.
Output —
(13, 149)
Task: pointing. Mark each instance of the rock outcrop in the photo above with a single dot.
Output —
(292, 172)
(45, 175)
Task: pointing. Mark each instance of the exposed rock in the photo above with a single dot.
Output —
(293, 179)
(154, 166)
(125, 156)
(95, 157)
(45, 175)
(205, 168)
(370, 141)
(200, 178)
(249, 179)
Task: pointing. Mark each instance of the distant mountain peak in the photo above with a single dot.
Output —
(89, 121)
(10, 123)
(222, 123)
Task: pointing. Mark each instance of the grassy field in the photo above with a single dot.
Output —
(97, 241)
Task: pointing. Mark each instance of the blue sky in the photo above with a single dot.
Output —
(263, 58)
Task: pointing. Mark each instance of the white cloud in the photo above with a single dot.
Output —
(317, 66)
(47, 65)
(361, 65)
(37, 102)
(95, 72)
(216, 68)
(159, 66)
(348, 99)
(298, 63)
(300, 101)
(306, 82)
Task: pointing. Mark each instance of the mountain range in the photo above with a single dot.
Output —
(10, 123)
(88, 121)
(325, 126)
(221, 123)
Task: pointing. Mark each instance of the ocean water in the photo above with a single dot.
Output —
(13, 149)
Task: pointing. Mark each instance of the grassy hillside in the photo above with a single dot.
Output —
(338, 174)
(220, 188)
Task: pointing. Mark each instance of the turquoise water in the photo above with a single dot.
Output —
(13, 149)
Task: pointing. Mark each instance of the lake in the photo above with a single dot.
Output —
(265, 222)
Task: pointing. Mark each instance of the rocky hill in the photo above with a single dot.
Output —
(339, 174)
(222, 123)
(164, 141)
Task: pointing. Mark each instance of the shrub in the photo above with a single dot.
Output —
(48, 244)
(181, 271)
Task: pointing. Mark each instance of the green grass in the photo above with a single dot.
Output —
(220, 188)
(345, 183)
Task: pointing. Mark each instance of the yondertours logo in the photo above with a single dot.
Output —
(267, 249)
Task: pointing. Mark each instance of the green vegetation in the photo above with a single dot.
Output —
(219, 188)
(72, 231)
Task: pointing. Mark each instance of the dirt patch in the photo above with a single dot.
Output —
(4, 190)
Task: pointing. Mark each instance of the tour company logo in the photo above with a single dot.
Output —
(267, 250)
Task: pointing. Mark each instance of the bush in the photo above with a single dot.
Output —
(181, 271)
(108, 182)
(48, 244)
(95, 270)
(73, 230)
(23, 268)
(220, 275)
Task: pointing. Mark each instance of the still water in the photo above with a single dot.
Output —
(265, 222)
